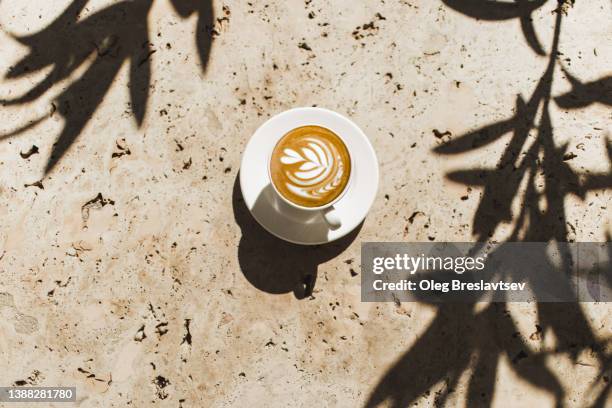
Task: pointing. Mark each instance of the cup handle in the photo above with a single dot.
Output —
(332, 218)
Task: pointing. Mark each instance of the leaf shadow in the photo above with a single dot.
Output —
(104, 41)
(493, 10)
(584, 94)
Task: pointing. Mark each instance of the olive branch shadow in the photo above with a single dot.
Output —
(110, 37)
(461, 339)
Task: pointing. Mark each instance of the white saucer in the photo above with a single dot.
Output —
(301, 227)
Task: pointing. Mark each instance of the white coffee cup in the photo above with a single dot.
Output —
(327, 211)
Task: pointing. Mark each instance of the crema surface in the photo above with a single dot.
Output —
(310, 166)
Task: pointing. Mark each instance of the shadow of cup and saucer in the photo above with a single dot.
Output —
(276, 266)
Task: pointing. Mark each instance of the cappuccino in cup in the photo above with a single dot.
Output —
(310, 167)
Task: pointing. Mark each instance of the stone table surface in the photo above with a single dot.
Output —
(131, 269)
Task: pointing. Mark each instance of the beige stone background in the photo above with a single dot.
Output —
(134, 272)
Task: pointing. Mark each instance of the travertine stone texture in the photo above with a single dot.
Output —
(133, 271)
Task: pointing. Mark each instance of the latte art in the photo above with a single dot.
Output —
(310, 166)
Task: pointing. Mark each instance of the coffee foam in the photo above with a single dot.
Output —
(310, 166)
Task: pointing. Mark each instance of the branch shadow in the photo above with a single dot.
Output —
(458, 338)
(109, 38)
(461, 339)
(275, 266)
